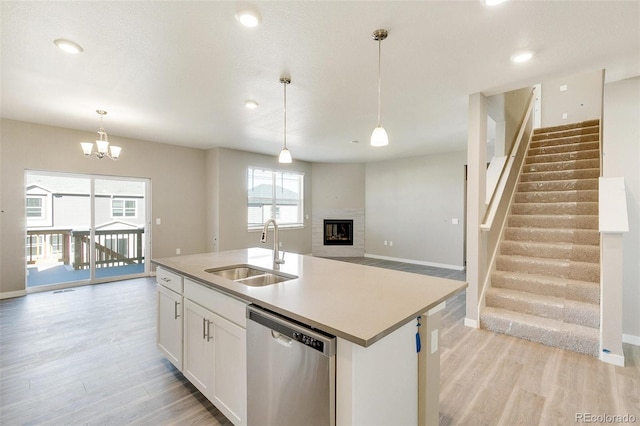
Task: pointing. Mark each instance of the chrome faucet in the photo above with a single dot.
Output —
(276, 242)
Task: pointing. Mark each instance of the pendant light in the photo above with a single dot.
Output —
(102, 144)
(379, 136)
(285, 155)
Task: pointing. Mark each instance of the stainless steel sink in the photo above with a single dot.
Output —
(250, 275)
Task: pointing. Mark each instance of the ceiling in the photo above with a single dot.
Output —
(179, 72)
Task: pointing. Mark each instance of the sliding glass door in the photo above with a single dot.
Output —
(83, 229)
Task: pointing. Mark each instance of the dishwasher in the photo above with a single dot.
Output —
(290, 372)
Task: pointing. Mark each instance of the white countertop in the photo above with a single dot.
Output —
(359, 303)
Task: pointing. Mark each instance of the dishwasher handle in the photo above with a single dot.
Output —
(286, 332)
(281, 338)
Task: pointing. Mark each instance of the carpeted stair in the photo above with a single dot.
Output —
(546, 287)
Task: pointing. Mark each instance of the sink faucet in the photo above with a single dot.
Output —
(276, 243)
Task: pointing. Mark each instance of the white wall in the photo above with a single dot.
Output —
(226, 185)
(411, 203)
(621, 158)
(176, 175)
(581, 101)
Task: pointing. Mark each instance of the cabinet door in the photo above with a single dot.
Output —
(230, 370)
(198, 347)
(169, 325)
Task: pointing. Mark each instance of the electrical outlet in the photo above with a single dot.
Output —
(391, 243)
(385, 242)
(158, 221)
(563, 88)
(565, 115)
(177, 251)
(454, 221)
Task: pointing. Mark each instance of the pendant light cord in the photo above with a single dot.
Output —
(285, 115)
(379, 77)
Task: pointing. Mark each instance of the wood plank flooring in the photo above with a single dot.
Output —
(87, 356)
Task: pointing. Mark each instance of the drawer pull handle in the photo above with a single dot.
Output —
(175, 310)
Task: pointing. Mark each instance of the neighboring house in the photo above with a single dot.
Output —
(58, 213)
(64, 202)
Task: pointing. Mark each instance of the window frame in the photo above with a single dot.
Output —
(275, 174)
(124, 208)
(42, 199)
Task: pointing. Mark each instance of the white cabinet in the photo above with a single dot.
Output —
(198, 347)
(169, 325)
(202, 332)
(215, 360)
(229, 388)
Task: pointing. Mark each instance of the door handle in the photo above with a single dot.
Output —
(175, 310)
(204, 328)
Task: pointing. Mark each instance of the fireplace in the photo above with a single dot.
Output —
(338, 232)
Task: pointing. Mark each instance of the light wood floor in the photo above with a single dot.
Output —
(88, 356)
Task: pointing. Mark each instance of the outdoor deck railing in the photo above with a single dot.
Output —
(117, 247)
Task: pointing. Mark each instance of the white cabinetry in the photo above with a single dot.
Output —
(212, 343)
(215, 349)
(215, 360)
(170, 304)
(198, 347)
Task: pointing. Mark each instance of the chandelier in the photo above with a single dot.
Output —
(102, 144)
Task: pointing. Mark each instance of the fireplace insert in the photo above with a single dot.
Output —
(338, 232)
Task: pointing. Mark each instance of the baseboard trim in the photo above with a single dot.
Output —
(415, 262)
(471, 323)
(631, 339)
(12, 294)
(612, 359)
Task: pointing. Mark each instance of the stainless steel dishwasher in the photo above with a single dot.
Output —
(290, 372)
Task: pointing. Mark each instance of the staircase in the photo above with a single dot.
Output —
(546, 286)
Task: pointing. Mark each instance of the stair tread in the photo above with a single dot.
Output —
(557, 202)
(589, 237)
(542, 298)
(594, 151)
(545, 259)
(562, 171)
(555, 244)
(545, 278)
(549, 324)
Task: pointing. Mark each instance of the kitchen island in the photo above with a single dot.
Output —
(372, 311)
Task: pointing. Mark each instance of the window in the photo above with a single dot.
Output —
(274, 194)
(123, 208)
(34, 207)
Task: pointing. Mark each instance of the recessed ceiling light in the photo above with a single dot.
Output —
(249, 18)
(251, 104)
(493, 2)
(68, 46)
(521, 57)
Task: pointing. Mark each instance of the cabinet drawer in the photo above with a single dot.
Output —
(169, 280)
(217, 302)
